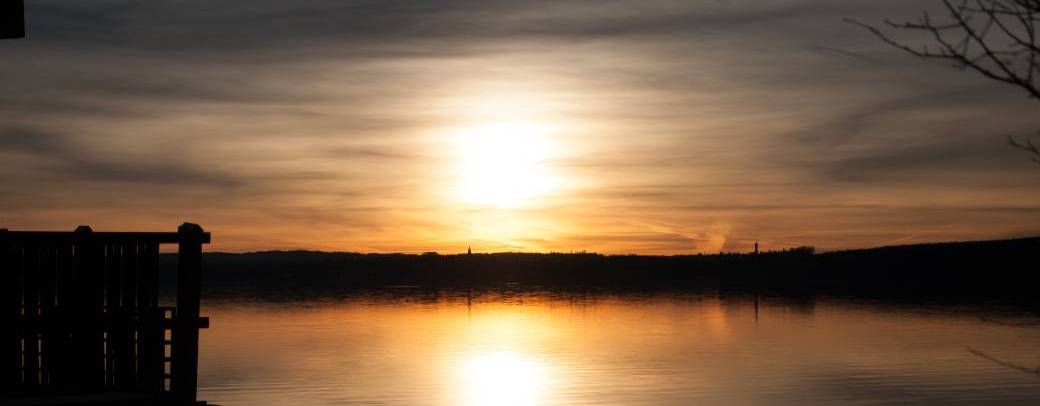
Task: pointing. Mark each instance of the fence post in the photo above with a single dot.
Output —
(89, 332)
(185, 348)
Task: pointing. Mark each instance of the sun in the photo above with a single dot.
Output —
(504, 164)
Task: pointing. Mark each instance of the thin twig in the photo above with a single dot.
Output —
(1027, 146)
(998, 361)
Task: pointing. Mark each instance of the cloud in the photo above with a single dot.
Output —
(62, 157)
(321, 123)
(201, 26)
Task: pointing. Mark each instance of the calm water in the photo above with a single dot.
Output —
(540, 349)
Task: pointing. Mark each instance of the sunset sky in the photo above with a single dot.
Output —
(618, 127)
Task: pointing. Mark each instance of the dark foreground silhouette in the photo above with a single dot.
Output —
(12, 19)
(83, 322)
(1000, 269)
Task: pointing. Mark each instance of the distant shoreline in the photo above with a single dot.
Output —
(583, 252)
(997, 268)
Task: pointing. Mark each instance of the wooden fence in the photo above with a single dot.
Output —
(81, 315)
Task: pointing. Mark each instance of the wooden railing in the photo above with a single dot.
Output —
(81, 315)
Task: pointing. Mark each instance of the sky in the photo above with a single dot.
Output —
(652, 127)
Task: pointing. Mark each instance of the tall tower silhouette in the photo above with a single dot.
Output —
(756, 247)
(469, 250)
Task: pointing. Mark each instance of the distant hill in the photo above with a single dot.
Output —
(975, 266)
(985, 267)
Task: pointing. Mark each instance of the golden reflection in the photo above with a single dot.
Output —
(504, 379)
(537, 350)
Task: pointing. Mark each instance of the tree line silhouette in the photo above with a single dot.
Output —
(987, 268)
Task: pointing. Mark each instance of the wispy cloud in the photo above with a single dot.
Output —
(683, 126)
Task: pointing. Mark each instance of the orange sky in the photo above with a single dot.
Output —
(619, 127)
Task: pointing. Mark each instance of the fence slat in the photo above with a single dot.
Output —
(11, 296)
(127, 361)
(61, 356)
(47, 273)
(31, 292)
(150, 336)
(113, 315)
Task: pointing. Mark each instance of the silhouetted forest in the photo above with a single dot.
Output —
(987, 268)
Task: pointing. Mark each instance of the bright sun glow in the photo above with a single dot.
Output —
(503, 379)
(504, 164)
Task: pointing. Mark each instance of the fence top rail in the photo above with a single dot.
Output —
(106, 237)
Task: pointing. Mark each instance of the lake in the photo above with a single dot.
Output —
(523, 348)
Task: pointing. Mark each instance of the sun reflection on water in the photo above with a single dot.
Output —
(502, 378)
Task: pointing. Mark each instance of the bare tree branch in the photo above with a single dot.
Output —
(997, 39)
